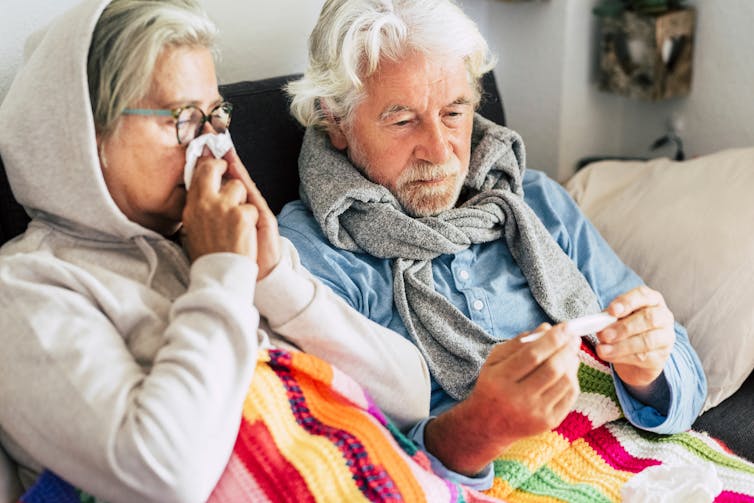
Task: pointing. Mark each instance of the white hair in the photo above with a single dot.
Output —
(351, 37)
(129, 37)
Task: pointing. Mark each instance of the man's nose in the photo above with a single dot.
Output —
(434, 146)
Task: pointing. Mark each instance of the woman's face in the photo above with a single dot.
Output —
(143, 162)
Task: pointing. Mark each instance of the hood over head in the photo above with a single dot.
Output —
(47, 133)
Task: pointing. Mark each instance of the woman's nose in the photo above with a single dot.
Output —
(206, 128)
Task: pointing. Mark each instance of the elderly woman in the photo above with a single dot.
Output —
(130, 309)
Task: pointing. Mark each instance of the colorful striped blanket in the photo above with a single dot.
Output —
(309, 433)
(594, 452)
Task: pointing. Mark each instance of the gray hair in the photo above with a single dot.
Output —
(129, 37)
(351, 37)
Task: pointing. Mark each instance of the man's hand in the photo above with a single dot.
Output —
(217, 217)
(523, 389)
(268, 238)
(640, 342)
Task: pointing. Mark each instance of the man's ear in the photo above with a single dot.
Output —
(334, 128)
(337, 138)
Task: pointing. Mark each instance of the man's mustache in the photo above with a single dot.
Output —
(422, 171)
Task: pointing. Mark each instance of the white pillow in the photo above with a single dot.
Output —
(687, 228)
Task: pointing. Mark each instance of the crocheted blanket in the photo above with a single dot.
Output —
(310, 433)
(594, 455)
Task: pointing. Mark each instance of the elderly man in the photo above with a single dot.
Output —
(420, 214)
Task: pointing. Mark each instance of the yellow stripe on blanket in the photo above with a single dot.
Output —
(533, 452)
(580, 464)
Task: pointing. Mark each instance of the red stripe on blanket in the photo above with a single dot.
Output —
(731, 497)
(612, 452)
(574, 426)
(587, 347)
(279, 479)
(236, 484)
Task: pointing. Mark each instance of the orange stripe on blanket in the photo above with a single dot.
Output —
(366, 428)
(312, 366)
(501, 488)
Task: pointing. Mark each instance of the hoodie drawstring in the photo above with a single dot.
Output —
(149, 254)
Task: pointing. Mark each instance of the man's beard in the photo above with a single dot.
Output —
(420, 199)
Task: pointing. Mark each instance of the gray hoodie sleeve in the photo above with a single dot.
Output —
(79, 400)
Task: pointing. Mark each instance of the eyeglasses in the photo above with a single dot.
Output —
(190, 119)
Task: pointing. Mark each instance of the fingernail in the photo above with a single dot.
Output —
(606, 349)
(607, 335)
(531, 337)
(618, 309)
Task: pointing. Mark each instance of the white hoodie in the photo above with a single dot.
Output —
(123, 368)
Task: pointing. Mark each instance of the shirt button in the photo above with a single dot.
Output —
(464, 274)
(478, 305)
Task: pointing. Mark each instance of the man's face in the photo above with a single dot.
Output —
(412, 132)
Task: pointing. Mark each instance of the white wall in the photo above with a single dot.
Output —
(262, 39)
(258, 38)
(18, 19)
(547, 51)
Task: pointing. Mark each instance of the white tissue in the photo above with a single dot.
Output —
(218, 144)
(685, 483)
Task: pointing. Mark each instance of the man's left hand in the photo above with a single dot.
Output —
(640, 342)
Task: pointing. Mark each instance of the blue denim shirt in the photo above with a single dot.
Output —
(487, 285)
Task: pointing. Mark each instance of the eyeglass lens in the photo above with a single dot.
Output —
(191, 120)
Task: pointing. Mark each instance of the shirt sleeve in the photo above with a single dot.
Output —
(481, 482)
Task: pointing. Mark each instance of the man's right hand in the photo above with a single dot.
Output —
(523, 389)
(217, 217)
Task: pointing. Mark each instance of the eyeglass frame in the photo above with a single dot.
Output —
(176, 112)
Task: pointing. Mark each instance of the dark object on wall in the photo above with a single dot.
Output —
(647, 56)
(671, 138)
(644, 7)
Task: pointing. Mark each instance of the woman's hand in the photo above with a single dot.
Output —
(217, 216)
(268, 238)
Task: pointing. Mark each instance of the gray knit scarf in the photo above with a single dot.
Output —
(360, 216)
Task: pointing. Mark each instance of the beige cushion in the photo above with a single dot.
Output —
(687, 228)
